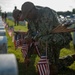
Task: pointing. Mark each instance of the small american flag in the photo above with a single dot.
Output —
(24, 50)
(43, 66)
(10, 31)
(17, 43)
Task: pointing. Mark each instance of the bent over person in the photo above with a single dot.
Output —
(41, 21)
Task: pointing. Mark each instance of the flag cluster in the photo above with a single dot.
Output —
(43, 66)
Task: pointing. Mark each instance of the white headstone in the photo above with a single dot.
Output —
(8, 64)
(2, 27)
(1, 23)
(2, 32)
(3, 44)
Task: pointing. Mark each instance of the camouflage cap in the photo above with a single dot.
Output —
(26, 8)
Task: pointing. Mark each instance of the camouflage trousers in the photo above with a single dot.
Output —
(45, 48)
(53, 52)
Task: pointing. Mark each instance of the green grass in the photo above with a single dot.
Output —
(31, 70)
(18, 27)
(22, 28)
(70, 51)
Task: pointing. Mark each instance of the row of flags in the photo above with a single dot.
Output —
(43, 63)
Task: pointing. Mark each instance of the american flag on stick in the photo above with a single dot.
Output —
(24, 50)
(17, 43)
(10, 31)
(43, 66)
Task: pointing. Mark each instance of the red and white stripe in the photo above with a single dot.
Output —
(43, 66)
(17, 43)
(37, 50)
(10, 31)
(24, 50)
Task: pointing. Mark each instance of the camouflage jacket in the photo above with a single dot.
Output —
(41, 28)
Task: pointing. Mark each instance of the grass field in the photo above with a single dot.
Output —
(31, 70)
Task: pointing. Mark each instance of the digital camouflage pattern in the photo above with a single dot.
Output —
(40, 30)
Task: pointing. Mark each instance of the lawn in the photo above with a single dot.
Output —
(31, 70)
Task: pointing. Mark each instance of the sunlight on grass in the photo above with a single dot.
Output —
(72, 66)
(17, 28)
(21, 28)
(67, 51)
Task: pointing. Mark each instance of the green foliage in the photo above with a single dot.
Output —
(73, 11)
(9, 13)
(66, 13)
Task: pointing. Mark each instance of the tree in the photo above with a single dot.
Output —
(73, 11)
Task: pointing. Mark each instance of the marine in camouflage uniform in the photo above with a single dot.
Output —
(41, 21)
(16, 14)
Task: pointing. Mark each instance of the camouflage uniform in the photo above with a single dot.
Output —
(16, 14)
(40, 30)
(41, 21)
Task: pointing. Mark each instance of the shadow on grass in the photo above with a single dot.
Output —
(30, 70)
(21, 68)
(66, 71)
(9, 46)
